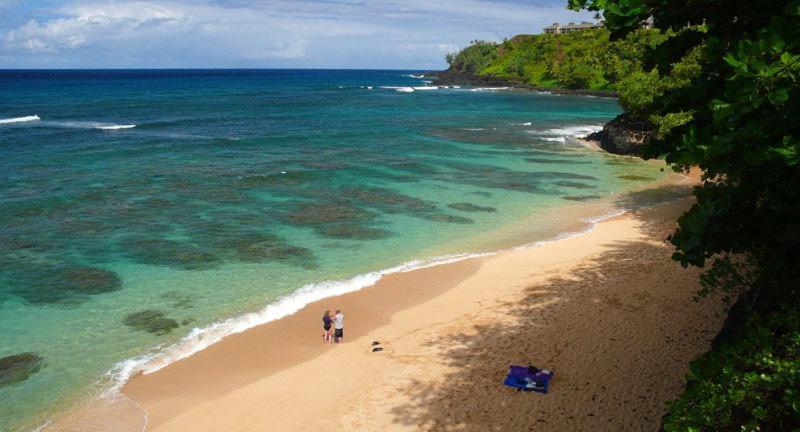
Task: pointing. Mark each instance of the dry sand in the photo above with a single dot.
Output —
(607, 311)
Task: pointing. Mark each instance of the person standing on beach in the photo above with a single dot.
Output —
(326, 325)
(338, 326)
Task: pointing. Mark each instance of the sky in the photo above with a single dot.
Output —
(356, 34)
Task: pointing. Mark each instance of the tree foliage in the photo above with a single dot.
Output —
(749, 383)
(581, 60)
(723, 90)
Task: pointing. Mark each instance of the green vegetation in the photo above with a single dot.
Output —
(582, 60)
(723, 91)
(749, 382)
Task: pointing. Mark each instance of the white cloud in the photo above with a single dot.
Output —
(302, 33)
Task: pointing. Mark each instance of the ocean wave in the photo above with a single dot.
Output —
(87, 125)
(415, 76)
(424, 88)
(20, 119)
(482, 89)
(576, 131)
(115, 127)
(399, 89)
(201, 338)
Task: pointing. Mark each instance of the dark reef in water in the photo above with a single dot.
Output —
(634, 177)
(581, 197)
(151, 321)
(574, 185)
(469, 207)
(62, 283)
(354, 232)
(169, 253)
(446, 218)
(17, 368)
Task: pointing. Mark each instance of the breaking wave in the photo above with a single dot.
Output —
(201, 338)
(20, 119)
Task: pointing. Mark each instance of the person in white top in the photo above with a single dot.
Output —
(338, 326)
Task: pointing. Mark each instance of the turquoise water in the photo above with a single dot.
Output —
(137, 206)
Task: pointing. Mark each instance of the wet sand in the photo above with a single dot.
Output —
(606, 310)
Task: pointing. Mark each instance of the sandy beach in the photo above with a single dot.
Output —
(606, 310)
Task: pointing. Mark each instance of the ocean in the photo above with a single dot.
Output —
(146, 214)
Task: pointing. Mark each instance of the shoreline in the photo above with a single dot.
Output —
(262, 358)
(249, 380)
(114, 406)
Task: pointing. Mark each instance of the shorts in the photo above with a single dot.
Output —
(338, 333)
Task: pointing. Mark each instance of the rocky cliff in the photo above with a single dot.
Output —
(451, 77)
(624, 135)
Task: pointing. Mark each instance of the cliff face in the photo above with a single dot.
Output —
(624, 136)
(453, 77)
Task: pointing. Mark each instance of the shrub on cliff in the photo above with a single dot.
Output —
(581, 60)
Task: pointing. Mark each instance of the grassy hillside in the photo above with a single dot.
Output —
(582, 60)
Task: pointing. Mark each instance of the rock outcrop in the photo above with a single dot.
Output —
(624, 135)
(452, 77)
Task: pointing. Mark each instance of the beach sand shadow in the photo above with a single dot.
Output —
(618, 331)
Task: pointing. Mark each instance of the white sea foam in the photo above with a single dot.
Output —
(480, 89)
(399, 89)
(555, 139)
(114, 127)
(521, 124)
(456, 87)
(20, 119)
(415, 76)
(577, 131)
(201, 338)
(423, 88)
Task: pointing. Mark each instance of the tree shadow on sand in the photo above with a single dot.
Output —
(618, 331)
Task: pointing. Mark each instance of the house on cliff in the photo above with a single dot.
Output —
(557, 28)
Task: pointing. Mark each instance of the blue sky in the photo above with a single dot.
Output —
(384, 34)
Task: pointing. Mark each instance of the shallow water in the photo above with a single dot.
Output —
(138, 206)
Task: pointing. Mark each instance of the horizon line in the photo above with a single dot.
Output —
(211, 68)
